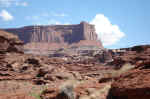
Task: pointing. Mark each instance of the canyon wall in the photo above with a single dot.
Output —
(58, 36)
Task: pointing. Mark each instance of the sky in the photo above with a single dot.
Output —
(118, 23)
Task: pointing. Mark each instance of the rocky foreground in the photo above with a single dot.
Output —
(108, 74)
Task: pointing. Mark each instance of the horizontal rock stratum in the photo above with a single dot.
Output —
(10, 43)
(59, 34)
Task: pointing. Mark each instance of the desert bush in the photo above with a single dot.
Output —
(38, 95)
(110, 75)
(98, 93)
(67, 90)
(126, 67)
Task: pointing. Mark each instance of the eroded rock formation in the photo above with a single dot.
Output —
(134, 84)
(10, 43)
(24, 76)
(57, 33)
(89, 74)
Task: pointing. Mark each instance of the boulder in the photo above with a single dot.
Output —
(132, 85)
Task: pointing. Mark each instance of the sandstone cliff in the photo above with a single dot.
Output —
(10, 43)
(57, 33)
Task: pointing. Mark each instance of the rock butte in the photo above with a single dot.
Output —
(58, 35)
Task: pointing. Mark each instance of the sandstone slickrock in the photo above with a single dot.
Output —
(134, 84)
(133, 55)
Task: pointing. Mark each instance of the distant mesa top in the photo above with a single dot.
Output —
(68, 34)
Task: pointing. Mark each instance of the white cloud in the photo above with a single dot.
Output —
(58, 23)
(54, 22)
(109, 34)
(45, 19)
(8, 3)
(40, 16)
(60, 14)
(21, 4)
(5, 15)
(67, 23)
(50, 22)
(45, 16)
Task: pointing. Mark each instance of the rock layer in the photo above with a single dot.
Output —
(10, 43)
(24, 76)
(57, 33)
(134, 84)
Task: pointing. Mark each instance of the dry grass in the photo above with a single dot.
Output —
(98, 93)
(125, 68)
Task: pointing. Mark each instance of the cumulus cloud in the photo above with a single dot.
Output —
(8, 3)
(108, 33)
(6, 16)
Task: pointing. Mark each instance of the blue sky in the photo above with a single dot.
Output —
(119, 23)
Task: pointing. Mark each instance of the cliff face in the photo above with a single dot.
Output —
(57, 33)
(10, 43)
